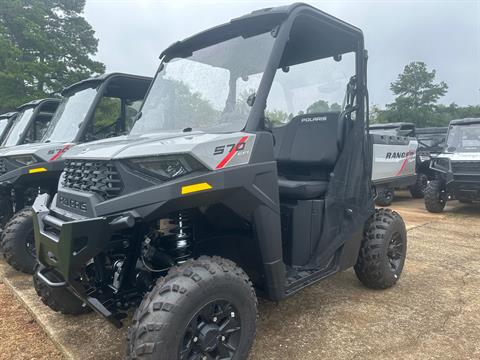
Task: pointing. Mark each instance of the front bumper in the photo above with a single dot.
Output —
(67, 245)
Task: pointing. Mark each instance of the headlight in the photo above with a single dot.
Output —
(424, 158)
(24, 160)
(441, 164)
(166, 167)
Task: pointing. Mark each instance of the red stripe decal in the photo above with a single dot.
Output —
(232, 152)
(59, 153)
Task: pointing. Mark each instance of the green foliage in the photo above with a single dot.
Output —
(416, 101)
(44, 46)
(323, 106)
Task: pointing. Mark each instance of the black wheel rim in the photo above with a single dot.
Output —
(212, 333)
(30, 244)
(395, 252)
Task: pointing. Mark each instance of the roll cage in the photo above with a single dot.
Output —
(290, 26)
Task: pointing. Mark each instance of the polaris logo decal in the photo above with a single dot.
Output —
(314, 119)
(73, 204)
(399, 155)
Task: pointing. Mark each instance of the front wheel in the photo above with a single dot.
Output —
(385, 196)
(202, 309)
(383, 250)
(18, 241)
(435, 196)
(417, 190)
(59, 299)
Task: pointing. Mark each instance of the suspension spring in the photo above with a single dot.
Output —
(181, 237)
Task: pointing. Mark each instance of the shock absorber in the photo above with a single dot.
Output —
(179, 241)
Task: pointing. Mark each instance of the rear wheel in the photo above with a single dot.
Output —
(385, 196)
(203, 309)
(435, 196)
(59, 299)
(18, 241)
(383, 250)
(417, 190)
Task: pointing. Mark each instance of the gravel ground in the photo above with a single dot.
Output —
(432, 313)
(20, 336)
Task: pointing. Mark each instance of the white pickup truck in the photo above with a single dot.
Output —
(394, 161)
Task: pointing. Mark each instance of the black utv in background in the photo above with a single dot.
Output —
(92, 109)
(431, 142)
(230, 185)
(457, 169)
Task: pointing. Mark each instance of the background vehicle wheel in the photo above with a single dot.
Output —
(204, 308)
(435, 196)
(417, 190)
(18, 241)
(383, 250)
(58, 299)
(384, 197)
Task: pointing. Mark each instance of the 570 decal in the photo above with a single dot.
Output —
(219, 150)
(231, 150)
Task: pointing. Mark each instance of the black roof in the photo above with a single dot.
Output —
(35, 103)
(90, 82)
(393, 125)
(8, 115)
(465, 121)
(253, 23)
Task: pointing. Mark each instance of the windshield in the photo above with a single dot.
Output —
(3, 126)
(207, 90)
(69, 116)
(18, 127)
(464, 138)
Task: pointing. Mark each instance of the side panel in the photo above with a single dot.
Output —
(393, 157)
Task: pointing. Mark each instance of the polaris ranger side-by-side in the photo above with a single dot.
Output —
(6, 120)
(457, 168)
(92, 109)
(27, 125)
(395, 161)
(231, 184)
(30, 123)
(431, 142)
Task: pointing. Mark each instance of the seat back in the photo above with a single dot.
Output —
(308, 146)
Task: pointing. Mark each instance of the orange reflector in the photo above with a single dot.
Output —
(37, 170)
(195, 187)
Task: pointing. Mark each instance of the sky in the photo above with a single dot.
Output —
(443, 34)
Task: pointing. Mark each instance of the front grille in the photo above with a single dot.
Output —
(466, 167)
(93, 176)
(3, 167)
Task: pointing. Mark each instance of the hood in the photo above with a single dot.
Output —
(461, 156)
(212, 150)
(138, 145)
(43, 151)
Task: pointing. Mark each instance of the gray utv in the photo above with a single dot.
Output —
(457, 168)
(92, 109)
(25, 126)
(233, 183)
(6, 121)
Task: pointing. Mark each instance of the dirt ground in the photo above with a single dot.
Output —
(20, 336)
(432, 313)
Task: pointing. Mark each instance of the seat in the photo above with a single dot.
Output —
(306, 150)
(302, 190)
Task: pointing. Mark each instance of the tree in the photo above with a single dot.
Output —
(417, 94)
(45, 45)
